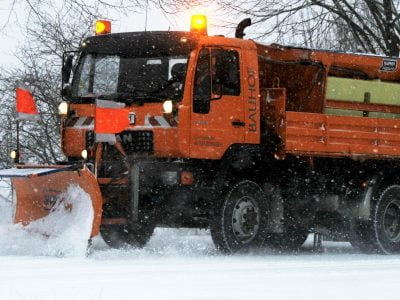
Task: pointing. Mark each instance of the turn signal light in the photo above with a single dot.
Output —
(199, 24)
(186, 178)
(102, 27)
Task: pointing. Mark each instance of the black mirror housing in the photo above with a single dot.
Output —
(66, 91)
(67, 68)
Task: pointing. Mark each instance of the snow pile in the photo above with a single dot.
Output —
(64, 232)
(6, 207)
(165, 243)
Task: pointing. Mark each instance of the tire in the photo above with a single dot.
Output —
(241, 223)
(382, 233)
(125, 235)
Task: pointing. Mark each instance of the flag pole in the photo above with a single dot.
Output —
(17, 158)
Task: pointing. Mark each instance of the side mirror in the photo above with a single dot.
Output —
(66, 91)
(67, 68)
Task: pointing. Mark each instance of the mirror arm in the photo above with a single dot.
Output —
(216, 98)
(219, 95)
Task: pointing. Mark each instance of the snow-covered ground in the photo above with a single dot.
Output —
(181, 264)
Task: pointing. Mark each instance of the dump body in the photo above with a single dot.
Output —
(331, 104)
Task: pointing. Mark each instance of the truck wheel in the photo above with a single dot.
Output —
(241, 223)
(125, 235)
(382, 233)
(387, 220)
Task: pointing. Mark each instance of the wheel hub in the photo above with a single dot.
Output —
(391, 221)
(245, 219)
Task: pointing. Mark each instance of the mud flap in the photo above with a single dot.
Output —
(36, 190)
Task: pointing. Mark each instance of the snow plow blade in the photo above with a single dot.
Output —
(36, 190)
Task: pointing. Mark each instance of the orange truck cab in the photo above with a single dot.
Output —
(235, 136)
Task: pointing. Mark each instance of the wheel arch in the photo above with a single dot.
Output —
(375, 185)
(241, 162)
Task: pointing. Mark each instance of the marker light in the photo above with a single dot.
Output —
(63, 108)
(167, 107)
(102, 27)
(84, 154)
(13, 154)
(199, 24)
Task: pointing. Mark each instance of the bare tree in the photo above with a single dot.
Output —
(47, 37)
(38, 9)
(51, 27)
(367, 25)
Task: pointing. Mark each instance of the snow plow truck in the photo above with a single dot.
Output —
(262, 144)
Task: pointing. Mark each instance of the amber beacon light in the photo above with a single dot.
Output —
(199, 24)
(102, 27)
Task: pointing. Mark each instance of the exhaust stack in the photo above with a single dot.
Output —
(239, 34)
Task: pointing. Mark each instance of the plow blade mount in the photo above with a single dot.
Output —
(36, 190)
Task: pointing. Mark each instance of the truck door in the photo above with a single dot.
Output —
(217, 117)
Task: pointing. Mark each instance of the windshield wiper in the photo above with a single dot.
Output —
(129, 98)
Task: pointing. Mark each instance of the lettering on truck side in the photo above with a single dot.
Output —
(252, 100)
(206, 141)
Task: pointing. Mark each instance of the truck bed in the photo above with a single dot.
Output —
(317, 134)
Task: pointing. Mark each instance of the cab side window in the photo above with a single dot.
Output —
(217, 74)
(225, 72)
(202, 83)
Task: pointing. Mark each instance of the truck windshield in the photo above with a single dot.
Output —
(129, 79)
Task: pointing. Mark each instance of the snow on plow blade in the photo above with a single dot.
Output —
(36, 191)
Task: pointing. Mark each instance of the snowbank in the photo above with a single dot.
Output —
(6, 208)
(61, 233)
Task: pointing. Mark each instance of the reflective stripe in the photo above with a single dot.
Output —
(149, 122)
(157, 121)
(162, 121)
(88, 121)
(81, 123)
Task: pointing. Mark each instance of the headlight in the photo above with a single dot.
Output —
(63, 108)
(84, 154)
(167, 107)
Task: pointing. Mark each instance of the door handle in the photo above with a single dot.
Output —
(238, 123)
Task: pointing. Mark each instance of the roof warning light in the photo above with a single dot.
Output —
(102, 27)
(199, 24)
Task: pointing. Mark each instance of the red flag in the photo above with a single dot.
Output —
(111, 118)
(25, 104)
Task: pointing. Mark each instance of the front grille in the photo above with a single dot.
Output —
(136, 141)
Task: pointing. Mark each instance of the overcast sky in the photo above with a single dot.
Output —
(11, 35)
